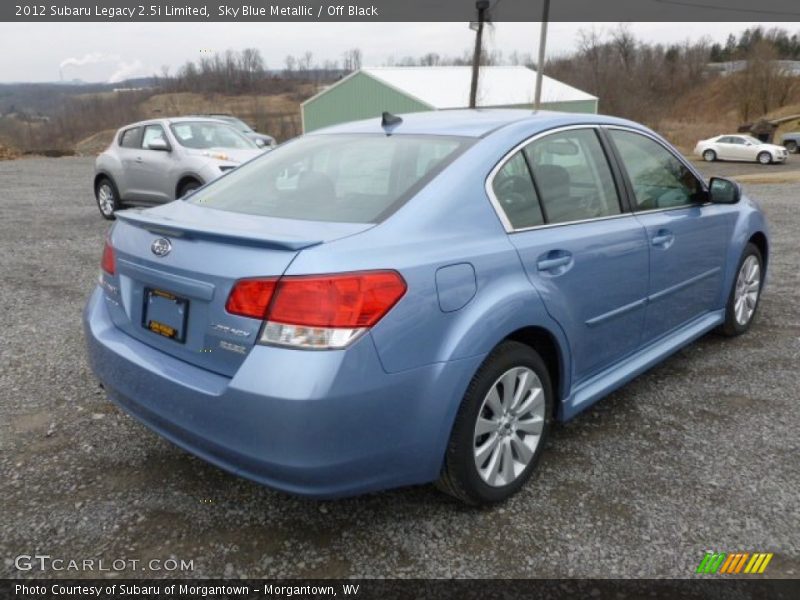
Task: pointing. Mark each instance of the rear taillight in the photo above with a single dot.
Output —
(107, 263)
(319, 311)
(251, 297)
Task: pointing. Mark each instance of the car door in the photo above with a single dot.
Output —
(725, 148)
(741, 149)
(128, 146)
(151, 168)
(587, 258)
(688, 237)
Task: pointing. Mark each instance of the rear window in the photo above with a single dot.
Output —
(131, 138)
(340, 178)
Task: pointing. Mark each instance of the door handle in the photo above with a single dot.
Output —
(139, 159)
(663, 238)
(554, 262)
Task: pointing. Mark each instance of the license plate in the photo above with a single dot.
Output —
(165, 314)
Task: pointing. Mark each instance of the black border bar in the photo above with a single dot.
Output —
(705, 587)
(395, 10)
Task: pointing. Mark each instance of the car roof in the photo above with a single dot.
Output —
(170, 120)
(471, 122)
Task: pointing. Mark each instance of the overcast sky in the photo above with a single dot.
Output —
(114, 51)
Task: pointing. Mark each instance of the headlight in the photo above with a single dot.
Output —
(217, 155)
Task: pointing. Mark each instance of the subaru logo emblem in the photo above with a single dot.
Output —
(161, 247)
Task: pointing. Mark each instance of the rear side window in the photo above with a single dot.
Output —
(658, 178)
(345, 178)
(572, 176)
(131, 138)
(513, 188)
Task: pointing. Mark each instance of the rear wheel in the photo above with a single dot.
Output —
(745, 294)
(791, 147)
(105, 192)
(709, 156)
(764, 158)
(501, 427)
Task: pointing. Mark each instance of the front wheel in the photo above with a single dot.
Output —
(791, 147)
(709, 156)
(501, 427)
(764, 158)
(743, 299)
(187, 188)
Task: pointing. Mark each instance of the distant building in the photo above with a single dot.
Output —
(790, 67)
(368, 92)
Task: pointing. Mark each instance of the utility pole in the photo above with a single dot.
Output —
(540, 64)
(482, 6)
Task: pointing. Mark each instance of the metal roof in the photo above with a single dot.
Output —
(448, 87)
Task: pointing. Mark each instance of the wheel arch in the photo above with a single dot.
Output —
(546, 344)
(759, 240)
(184, 179)
(103, 175)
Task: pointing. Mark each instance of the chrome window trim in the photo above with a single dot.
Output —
(509, 228)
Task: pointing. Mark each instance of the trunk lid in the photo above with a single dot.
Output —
(187, 287)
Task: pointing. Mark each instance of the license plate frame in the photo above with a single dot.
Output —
(165, 314)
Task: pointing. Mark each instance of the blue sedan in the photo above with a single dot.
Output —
(415, 299)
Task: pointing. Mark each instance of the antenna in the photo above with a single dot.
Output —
(389, 120)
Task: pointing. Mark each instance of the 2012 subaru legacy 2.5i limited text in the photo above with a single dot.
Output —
(400, 301)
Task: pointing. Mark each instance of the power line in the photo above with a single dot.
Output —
(726, 8)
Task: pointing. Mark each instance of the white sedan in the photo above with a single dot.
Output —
(740, 147)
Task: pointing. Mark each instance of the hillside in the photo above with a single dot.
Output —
(713, 108)
(708, 109)
(277, 115)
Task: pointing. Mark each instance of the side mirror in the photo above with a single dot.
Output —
(723, 191)
(260, 143)
(159, 144)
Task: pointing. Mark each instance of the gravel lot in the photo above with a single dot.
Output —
(698, 454)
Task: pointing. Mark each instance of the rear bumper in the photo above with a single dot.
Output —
(321, 424)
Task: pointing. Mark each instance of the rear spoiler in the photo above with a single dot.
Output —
(186, 229)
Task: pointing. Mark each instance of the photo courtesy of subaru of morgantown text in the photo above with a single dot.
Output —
(422, 300)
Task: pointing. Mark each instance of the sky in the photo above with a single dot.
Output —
(115, 51)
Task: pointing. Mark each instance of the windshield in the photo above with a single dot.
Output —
(341, 178)
(752, 140)
(201, 135)
(234, 122)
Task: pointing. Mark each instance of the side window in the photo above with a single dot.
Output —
(514, 191)
(572, 176)
(659, 179)
(151, 133)
(131, 138)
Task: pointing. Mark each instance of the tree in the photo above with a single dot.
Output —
(351, 60)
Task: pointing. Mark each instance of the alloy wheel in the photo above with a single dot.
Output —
(105, 199)
(748, 286)
(509, 426)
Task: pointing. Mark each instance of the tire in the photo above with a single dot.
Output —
(107, 198)
(738, 321)
(709, 156)
(791, 147)
(188, 187)
(764, 158)
(518, 445)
